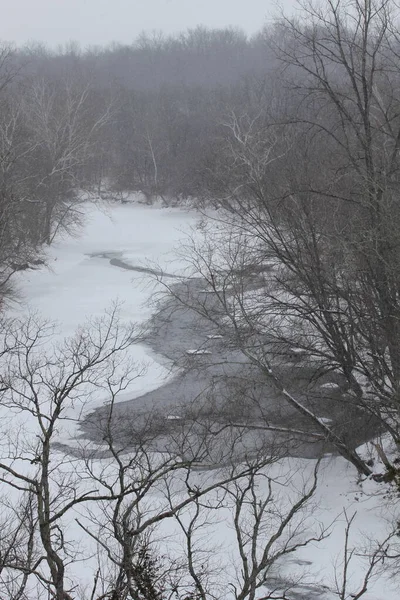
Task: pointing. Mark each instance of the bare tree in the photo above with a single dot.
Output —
(375, 553)
(63, 127)
(350, 72)
(120, 494)
(43, 388)
(310, 212)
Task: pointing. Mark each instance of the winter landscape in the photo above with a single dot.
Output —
(200, 311)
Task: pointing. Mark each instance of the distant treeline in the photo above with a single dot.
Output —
(141, 118)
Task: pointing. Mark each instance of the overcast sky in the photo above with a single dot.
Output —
(102, 21)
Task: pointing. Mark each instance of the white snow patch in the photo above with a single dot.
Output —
(330, 386)
(76, 285)
(298, 351)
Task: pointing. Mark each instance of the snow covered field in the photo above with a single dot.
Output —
(77, 285)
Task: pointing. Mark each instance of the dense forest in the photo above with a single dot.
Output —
(291, 140)
(127, 118)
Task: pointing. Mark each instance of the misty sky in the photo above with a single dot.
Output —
(102, 21)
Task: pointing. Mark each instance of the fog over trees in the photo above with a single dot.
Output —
(131, 118)
(288, 144)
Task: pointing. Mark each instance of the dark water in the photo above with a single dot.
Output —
(221, 381)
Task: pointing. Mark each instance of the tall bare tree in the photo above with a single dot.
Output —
(309, 187)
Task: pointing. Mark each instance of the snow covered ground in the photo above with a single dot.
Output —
(76, 285)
